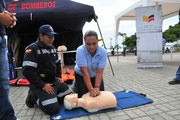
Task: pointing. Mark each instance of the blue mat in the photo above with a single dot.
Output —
(125, 99)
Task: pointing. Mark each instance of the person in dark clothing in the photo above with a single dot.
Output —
(9, 20)
(41, 67)
(112, 52)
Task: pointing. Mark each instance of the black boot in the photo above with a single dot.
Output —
(174, 82)
(31, 99)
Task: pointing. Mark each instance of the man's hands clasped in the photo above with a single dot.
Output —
(8, 19)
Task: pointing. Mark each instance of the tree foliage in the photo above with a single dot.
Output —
(172, 34)
(122, 34)
(130, 41)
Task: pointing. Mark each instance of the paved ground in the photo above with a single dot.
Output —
(152, 82)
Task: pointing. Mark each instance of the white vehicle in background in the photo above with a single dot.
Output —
(171, 46)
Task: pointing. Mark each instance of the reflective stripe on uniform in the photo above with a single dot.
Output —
(49, 101)
(37, 102)
(29, 63)
(64, 93)
(38, 52)
(53, 50)
(57, 60)
(45, 51)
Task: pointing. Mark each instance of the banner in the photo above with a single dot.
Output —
(65, 16)
(148, 19)
(149, 36)
(30, 5)
(56, 11)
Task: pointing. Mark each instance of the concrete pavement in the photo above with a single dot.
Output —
(152, 82)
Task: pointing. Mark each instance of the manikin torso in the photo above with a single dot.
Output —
(92, 104)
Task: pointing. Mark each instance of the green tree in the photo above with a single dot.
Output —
(123, 35)
(130, 41)
(172, 34)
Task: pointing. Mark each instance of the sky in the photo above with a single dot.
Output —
(106, 10)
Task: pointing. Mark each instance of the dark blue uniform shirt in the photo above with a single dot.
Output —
(41, 64)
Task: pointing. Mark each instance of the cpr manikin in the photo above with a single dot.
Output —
(92, 104)
(61, 48)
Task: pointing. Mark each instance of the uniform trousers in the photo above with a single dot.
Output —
(49, 103)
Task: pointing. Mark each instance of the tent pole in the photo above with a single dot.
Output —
(104, 46)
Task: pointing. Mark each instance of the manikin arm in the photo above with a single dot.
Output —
(92, 104)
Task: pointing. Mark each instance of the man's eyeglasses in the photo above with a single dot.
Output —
(93, 43)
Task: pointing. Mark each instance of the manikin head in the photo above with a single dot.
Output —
(71, 101)
(62, 48)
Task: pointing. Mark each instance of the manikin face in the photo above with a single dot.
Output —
(47, 39)
(70, 101)
(91, 43)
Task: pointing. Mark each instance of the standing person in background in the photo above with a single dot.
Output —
(112, 52)
(91, 60)
(9, 20)
(163, 45)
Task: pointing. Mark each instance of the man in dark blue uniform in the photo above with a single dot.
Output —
(41, 66)
(9, 20)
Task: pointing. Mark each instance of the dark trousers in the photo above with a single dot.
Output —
(49, 103)
(80, 85)
(178, 73)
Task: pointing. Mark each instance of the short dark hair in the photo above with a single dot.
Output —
(90, 33)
